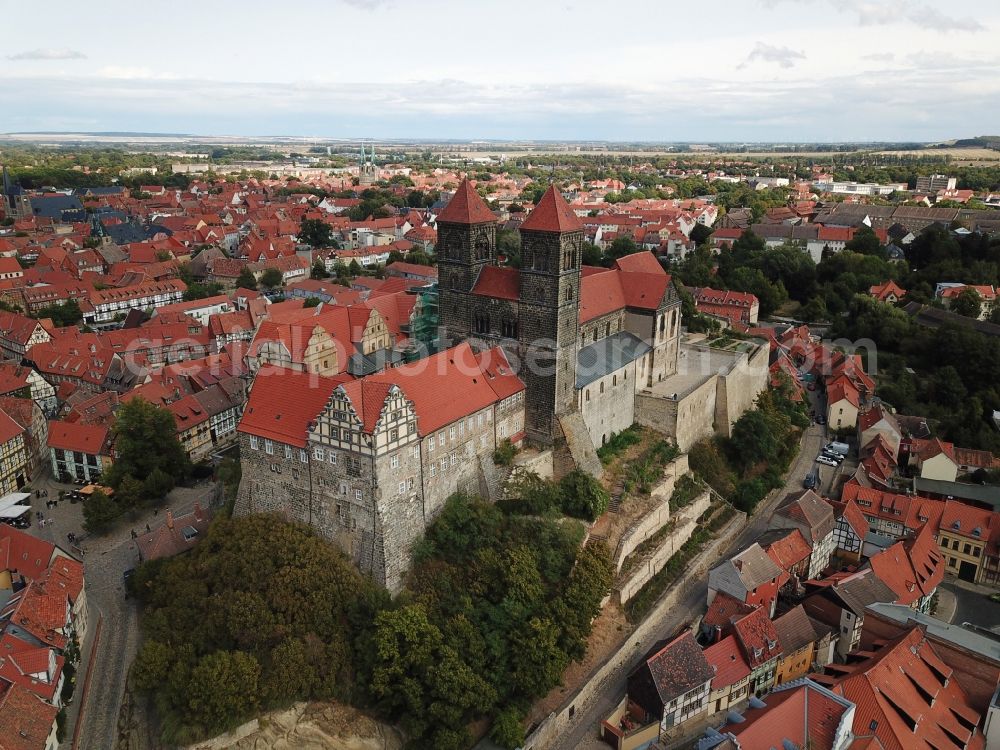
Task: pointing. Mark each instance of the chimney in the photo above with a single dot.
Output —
(197, 510)
(170, 520)
(718, 634)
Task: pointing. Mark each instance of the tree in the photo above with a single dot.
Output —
(968, 303)
(508, 728)
(157, 484)
(312, 302)
(592, 255)
(99, 513)
(315, 232)
(130, 492)
(318, 270)
(146, 441)
(223, 688)
(246, 280)
(700, 234)
(583, 496)
(865, 242)
(271, 278)
(620, 247)
(354, 268)
(202, 290)
(66, 314)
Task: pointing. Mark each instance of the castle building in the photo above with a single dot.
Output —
(370, 462)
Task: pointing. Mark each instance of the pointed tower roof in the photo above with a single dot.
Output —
(552, 214)
(466, 207)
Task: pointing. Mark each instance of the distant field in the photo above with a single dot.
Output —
(970, 155)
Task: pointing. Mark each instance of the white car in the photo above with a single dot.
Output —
(826, 461)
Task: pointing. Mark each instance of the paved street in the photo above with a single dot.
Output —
(973, 605)
(105, 559)
(584, 732)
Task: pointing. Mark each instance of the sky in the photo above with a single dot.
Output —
(631, 70)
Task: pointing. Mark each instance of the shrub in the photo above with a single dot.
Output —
(504, 454)
(583, 496)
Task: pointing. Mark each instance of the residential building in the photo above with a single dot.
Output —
(106, 306)
(672, 684)
(798, 638)
(934, 182)
(850, 532)
(731, 679)
(736, 307)
(813, 516)
(905, 693)
(26, 721)
(750, 577)
(889, 292)
(840, 604)
(18, 334)
(799, 714)
(79, 452)
(13, 455)
(174, 535)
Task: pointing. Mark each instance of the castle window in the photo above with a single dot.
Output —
(319, 454)
(614, 380)
(288, 451)
(586, 394)
(254, 442)
(602, 387)
(394, 434)
(569, 293)
(401, 489)
(269, 447)
(482, 323)
(333, 458)
(434, 470)
(508, 328)
(394, 462)
(607, 329)
(358, 495)
(303, 457)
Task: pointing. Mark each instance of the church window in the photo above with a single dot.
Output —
(602, 387)
(540, 294)
(569, 294)
(482, 248)
(482, 323)
(607, 329)
(586, 395)
(508, 328)
(614, 380)
(663, 321)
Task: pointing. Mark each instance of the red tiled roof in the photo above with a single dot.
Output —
(25, 720)
(843, 390)
(644, 262)
(74, 436)
(601, 292)
(26, 554)
(724, 609)
(758, 637)
(904, 693)
(466, 207)
(283, 403)
(727, 660)
(789, 550)
(912, 568)
(498, 282)
(552, 214)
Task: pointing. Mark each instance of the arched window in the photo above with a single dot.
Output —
(482, 323)
(586, 394)
(508, 328)
(614, 380)
(602, 386)
(482, 248)
(607, 329)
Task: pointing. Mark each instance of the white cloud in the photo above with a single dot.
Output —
(784, 57)
(133, 73)
(887, 12)
(48, 54)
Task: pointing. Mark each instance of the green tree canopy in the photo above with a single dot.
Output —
(271, 278)
(145, 437)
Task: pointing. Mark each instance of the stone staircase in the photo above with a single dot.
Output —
(579, 444)
(492, 478)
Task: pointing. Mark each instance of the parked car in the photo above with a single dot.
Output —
(841, 448)
(835, 457)
(825, 461)
(820, 419)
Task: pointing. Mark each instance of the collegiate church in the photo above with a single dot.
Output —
(551, 353)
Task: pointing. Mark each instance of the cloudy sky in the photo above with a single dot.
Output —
(797, 70)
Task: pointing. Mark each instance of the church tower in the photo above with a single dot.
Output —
(549, 312)
(466, 242)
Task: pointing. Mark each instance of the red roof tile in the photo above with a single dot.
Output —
(552, 214)
(75, 436)
(644, 262)
(25, 720)
(727, 660)
(466, 207)
(498, 282)
(283, 403)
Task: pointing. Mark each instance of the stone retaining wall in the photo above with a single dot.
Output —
(687, 522)
(658, 517)
(556, 723)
